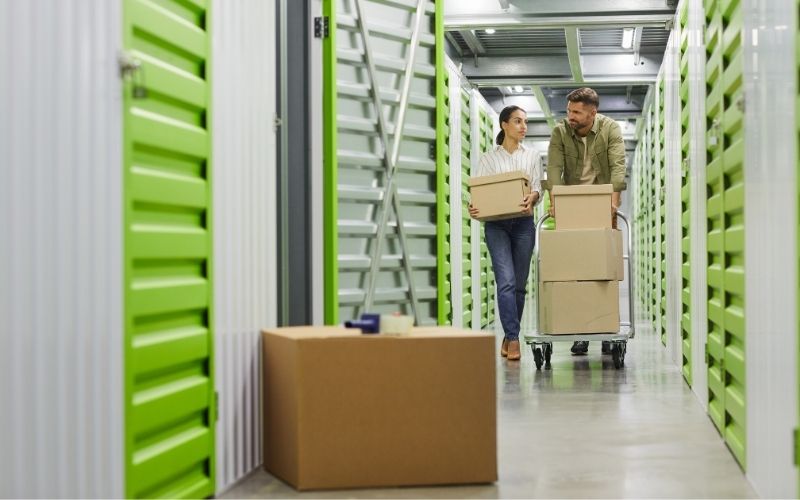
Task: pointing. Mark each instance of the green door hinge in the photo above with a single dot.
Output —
(216, 406)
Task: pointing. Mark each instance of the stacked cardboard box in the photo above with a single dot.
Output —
(499, 196)
(346, 410)
(580, 264)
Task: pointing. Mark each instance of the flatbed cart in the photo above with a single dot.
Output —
(542, 344)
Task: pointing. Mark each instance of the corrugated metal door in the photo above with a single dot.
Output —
(61, 271)
(168, 314)
(487, 274)
(686, 297)
(381, 208)
(725, 176)
(466, 220)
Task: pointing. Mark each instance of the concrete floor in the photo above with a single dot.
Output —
(584, 430)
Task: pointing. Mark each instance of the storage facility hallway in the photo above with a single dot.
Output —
(278, 249)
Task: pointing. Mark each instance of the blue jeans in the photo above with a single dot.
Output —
(510, 245)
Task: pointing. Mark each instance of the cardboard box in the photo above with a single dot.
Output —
(499, 196)
(572, 307)
(346, 410)
(583, 207)
(580, 255)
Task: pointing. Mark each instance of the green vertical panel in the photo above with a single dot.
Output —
(686, 319)
(733, 227)
(715, 248)
(487, 275)
(466, 220)
(169, 389)
(330, 166)
(442, 173)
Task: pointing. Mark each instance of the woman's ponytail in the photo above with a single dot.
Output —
(500, 137)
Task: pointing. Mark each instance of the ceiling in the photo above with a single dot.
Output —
(532, 53)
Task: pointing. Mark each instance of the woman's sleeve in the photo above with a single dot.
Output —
(484, 166)
(536, 174)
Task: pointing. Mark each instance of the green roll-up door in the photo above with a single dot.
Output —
(654, 174)
(466, 220)
(487, 292)
(686, 318)
(385, 213)
(725, 185)
(444, 276)
(169, 389)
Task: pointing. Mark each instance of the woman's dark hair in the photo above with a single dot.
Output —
(505, 115)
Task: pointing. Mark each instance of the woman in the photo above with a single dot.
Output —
(511, 241)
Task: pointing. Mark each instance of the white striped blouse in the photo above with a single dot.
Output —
(500, 161)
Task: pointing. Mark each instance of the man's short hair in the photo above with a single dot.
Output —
(584, 95)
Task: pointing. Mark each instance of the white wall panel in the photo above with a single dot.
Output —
(771, 244)
(61, 337)
(456, 241)
(243, 110)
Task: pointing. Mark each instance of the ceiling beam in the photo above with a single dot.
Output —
(535, 20)
(453, 43)
(474, 44)
(574, 53)
(537, 91)
(498, 71)
(637, 45)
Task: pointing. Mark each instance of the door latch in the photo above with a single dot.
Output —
(130, 68)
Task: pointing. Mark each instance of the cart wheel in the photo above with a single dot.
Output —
(623, 350)
(537, 357)
(548, 353)
(617, 354)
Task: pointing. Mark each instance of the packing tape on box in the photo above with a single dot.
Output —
(392, 324)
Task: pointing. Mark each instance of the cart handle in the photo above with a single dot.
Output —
(629, 258)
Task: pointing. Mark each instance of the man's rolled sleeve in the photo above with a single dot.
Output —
(616, 158)
(555, 160)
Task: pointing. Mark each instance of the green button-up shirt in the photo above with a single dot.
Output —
(606, 147)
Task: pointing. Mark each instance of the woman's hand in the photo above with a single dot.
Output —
(528, 202)
(473, 212)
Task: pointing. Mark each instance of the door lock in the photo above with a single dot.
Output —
(131, 68)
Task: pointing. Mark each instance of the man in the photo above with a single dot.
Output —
(587, 148)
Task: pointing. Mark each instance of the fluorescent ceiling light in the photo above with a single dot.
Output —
(489, 31)
(518, 89)
(627, 38)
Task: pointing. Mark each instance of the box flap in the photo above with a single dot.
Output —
(327, 332)
(490, 179)
(581, 189)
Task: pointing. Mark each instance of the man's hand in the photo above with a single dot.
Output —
(473, 212)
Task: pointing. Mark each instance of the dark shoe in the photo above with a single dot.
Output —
(513, 350)
(580, 347)
(606, 349)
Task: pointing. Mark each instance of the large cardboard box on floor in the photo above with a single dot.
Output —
(567, 307)
(580, 255)
(583, 207)
(346, 410)
(499, 196)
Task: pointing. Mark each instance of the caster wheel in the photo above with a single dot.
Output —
(538, 358)
(617, 354)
